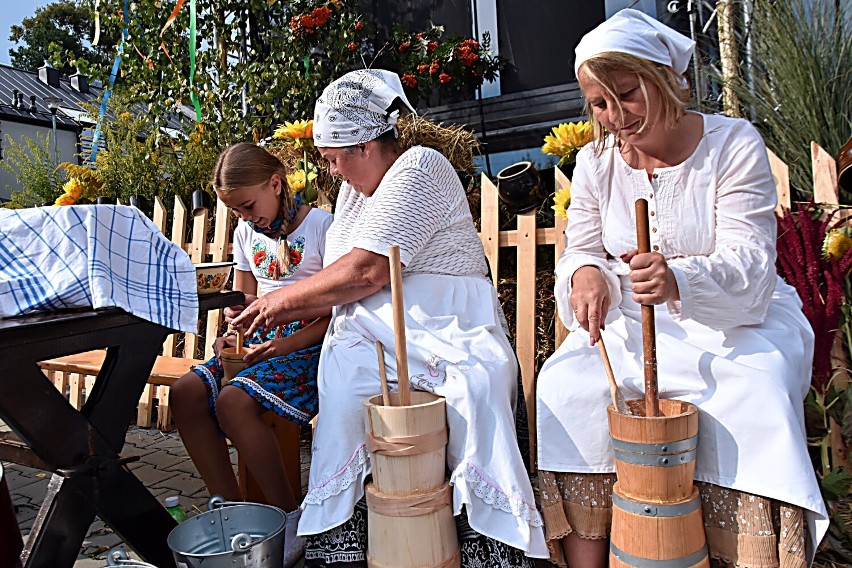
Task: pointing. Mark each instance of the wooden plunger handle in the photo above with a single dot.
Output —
(649, 330)
(238, 348)
(399, 325)
(380, 350)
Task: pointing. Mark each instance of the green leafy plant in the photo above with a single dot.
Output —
(801, 81)
(31, 161)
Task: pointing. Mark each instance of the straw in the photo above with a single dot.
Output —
(399, 325)
(617, 399)
(380, 350)
(649, 330)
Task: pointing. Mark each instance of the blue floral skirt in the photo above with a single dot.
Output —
(287, 385)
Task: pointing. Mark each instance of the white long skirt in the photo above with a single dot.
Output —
(456, 349)
(749, 384)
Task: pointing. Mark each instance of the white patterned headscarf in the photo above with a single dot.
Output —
(354, 108)
(636, 33)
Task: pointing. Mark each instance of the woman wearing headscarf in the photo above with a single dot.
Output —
(457, 345)
(731, 336)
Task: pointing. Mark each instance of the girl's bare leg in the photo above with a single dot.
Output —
(201, 437)
(239, 416)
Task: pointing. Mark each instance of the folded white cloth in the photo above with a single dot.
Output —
(55, 258)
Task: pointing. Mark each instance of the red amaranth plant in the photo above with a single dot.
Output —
(819, 281)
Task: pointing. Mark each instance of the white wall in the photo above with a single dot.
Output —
(66, 149)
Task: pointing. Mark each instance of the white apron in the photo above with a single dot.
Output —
(456, 349)
(748, 382)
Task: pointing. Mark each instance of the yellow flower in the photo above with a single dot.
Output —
(296, 180)
(561, 201)
(73, 187)
(300, 131)
(836, 243)
(567, 138)
(124, 116)
(64, 199)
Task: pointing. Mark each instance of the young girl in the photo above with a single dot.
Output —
(278, 241)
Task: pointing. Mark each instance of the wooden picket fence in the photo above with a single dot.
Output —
(526, 239)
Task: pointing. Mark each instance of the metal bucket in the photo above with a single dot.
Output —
(118, 557)
(230, 535)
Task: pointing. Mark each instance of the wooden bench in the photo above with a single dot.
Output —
(76, 374)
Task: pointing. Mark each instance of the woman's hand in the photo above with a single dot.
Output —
(266, 312)
(232, 312)
(590, 300)
(652, 281)
(273, 348)
(222, 342)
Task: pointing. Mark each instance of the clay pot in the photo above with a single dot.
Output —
(519, 187)
(201, 201)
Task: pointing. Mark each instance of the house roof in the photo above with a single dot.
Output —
(28, 83)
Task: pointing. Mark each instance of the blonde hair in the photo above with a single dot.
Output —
(674, 90)
(245, 165)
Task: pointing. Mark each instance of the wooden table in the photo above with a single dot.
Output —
(81, 448)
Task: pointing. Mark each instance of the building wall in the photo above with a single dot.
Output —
(66, 149)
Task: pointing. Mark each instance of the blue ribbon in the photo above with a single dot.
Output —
(97, 135)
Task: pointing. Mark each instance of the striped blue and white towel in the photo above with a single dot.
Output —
(54, 258)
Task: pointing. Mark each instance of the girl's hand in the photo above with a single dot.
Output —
(590, 300)
(232, 312)
(652, 281)
(222, 342)
(273, 348)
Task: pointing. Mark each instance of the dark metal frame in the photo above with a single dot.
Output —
(82, 448)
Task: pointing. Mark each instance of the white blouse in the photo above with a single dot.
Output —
(711, 216)
(421, 206)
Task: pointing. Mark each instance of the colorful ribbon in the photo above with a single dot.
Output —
(96, 137)
(192, 95)
(172, 17)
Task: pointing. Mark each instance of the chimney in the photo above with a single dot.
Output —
(80, 82)
(14, 97)
(48, 75)
(32, 103)
(20, 103)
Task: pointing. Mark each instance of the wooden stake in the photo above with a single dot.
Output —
(383, 376)
(649, 330)
(239, 347)
(399, 325)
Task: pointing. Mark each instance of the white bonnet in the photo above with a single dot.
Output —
(636, 33)
(354, 108)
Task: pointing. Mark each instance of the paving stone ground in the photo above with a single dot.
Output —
(164, 467)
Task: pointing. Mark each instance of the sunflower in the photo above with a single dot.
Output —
(301, 132)
(836, 243)
(561, 201)
(296, 180)
(566, 139)
(72, 190)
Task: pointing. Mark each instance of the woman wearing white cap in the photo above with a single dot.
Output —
(731, 337)
(457, 346)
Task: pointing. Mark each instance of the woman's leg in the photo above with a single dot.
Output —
(239, 416)
(585, 552)
(201, 436)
